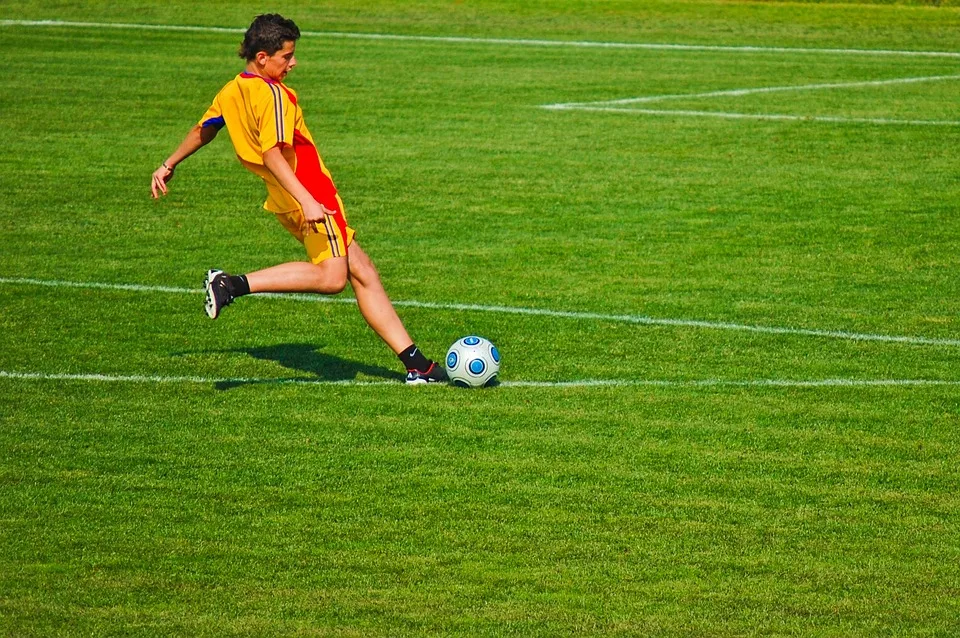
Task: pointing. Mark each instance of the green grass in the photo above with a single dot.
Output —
(664, 506)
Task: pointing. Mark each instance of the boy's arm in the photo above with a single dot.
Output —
(197, 138)
(313, 211)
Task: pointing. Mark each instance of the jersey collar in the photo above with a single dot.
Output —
(247, 74)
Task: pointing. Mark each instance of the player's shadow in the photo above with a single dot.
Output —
(305, 357)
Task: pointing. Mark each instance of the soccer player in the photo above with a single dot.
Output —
(265, 122)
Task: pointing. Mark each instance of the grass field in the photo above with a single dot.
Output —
(719, 254)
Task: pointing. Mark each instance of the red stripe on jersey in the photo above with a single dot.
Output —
(311, 175)
(293, 98)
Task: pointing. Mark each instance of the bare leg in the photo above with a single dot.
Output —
(327, 278)
(375, 306)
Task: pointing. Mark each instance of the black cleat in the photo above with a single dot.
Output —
(434, 374)
(217, 287)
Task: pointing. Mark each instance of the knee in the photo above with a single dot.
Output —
(330, 278)
(362, 270)
(333, 286)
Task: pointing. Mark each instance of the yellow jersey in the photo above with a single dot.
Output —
(260, 114)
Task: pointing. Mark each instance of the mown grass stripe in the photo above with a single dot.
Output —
(539, 312)
(652, 46)
(580, 383)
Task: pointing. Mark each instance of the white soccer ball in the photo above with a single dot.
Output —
(473, 362)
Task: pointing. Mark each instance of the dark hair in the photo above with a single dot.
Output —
(267, 33)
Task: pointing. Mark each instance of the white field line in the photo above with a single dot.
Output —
(539, 312)
(650, 46)
(617, 106)
(585, 383)
(558, 43)
(757, 116)
(766, 89)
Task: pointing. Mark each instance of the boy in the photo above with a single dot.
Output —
(265, 124)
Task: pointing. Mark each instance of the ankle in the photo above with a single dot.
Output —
(239, 286)
(413, 359)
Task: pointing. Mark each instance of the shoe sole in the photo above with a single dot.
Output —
(422, 379)
(210, 304)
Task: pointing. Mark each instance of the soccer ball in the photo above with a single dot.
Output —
(473, 362)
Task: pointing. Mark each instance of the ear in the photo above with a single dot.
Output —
(262, 58)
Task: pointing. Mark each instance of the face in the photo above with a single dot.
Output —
(277, 66)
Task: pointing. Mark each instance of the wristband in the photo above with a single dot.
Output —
(164, 164)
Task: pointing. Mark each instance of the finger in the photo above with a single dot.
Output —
(156, 186)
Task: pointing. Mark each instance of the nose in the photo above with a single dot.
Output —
(293, 62)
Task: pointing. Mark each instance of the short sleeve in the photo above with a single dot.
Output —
(275, 114)
(213, 116)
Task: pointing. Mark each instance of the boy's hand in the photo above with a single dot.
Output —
(158, 184)
(314, 212)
